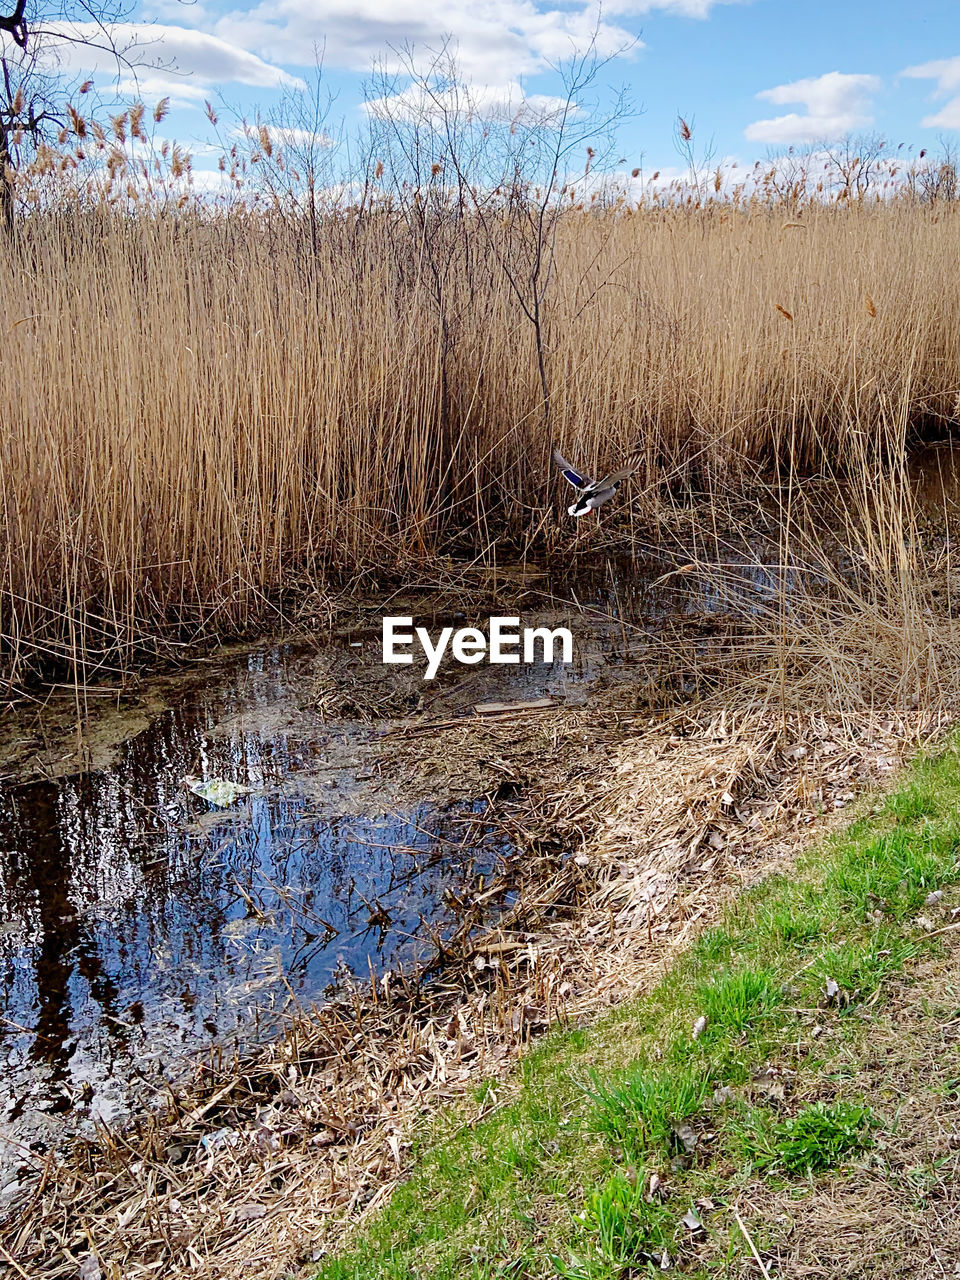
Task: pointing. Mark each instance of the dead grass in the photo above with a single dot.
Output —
(898, 1213)
(632, 826)
(591, 1173)
(214, 443)
(633, 823)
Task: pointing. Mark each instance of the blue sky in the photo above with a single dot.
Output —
(752, 75)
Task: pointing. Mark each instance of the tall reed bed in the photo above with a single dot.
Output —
(200, 410)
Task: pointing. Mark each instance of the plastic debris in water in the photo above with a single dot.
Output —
(217, 791)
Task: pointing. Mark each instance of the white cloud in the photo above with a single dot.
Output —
(495, 41)
(948, 117)
(497, 104)
(210, 182)
(835, 105)
(139, 149)
(684, 8)
(283, 135)
(946, 72)
(290, 137)
(160, 50)
(492, 44)
(151, 87)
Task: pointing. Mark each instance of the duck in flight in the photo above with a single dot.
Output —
(591, 494)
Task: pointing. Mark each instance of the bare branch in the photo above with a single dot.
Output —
(16, 24)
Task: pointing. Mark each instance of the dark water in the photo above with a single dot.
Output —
(137, 921)
(139, 925)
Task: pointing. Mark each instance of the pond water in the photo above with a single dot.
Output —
(140, 924)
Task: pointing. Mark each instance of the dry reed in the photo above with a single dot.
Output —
(205, 411)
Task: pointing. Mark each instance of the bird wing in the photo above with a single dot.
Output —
(577, 478)
(615, 478)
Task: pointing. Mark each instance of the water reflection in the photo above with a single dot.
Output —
(136, 922)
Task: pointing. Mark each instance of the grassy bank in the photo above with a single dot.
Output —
(229, 410)
(785, 1099)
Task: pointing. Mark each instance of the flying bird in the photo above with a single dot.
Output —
(591, 493)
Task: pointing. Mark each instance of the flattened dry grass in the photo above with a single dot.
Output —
(265, 1159)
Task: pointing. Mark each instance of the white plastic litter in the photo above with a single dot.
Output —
(217, 790)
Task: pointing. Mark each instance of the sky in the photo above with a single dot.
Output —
(751, 76)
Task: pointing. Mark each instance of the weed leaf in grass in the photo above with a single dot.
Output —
(819, 1137)
(622, 1231)
(823, 1135)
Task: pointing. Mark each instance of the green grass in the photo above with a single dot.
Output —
(620, 1228)
(557, 1183)
(819, 1137)
(641, 1109)
(736, 1001)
